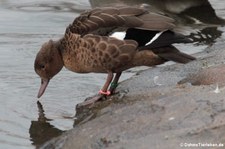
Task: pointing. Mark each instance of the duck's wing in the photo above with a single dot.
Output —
(100, 53)
(111, 52)
(103, 21)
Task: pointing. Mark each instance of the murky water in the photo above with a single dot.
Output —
(24, 26)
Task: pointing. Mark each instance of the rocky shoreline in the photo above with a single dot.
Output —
(163, 107)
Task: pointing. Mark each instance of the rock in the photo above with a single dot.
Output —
(211, 75)
(152, 110)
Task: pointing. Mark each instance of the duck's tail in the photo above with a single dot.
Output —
(171, 53)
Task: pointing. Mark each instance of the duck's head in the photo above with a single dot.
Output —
(48, 63)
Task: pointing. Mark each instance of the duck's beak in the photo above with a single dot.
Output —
(44, 84)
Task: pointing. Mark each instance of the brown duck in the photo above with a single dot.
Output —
(86, 46)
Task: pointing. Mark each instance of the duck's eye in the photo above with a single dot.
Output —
(42, 66)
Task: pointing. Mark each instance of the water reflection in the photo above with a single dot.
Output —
(22, 32)
(41, 130)
(206, 36)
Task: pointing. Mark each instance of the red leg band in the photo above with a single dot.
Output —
(104, 93)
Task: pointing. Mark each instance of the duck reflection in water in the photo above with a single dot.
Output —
(41, 130)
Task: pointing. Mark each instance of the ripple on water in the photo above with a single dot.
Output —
(46, 6)
(25, 25)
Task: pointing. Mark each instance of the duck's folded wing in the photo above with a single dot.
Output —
(94, 53)
(103, 21)
(110, 53)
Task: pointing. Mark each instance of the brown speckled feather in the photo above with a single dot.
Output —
(109, 19)
(93, 53)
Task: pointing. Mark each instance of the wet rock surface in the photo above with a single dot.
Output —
(208, 76)
(162, 107)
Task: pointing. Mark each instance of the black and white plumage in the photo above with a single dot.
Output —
(155, 39)
(158, 42)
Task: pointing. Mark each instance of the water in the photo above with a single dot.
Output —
(24, 26)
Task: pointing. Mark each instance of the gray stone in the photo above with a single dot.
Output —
(153, 110)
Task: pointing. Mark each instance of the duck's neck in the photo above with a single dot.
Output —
(59, 48)
(71, 48)
(55, 57)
